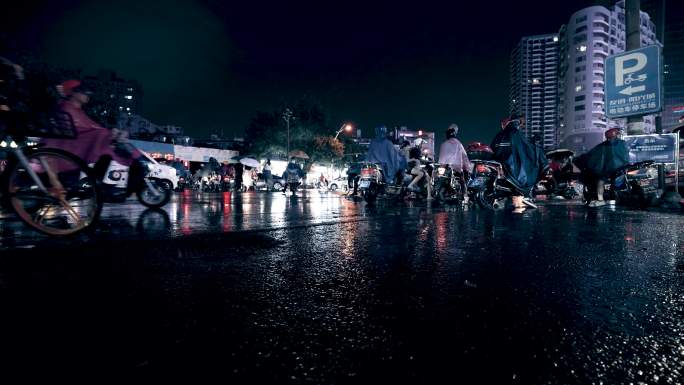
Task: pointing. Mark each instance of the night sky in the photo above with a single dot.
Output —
(209, 65)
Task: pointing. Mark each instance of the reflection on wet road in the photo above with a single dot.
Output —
(326, 290)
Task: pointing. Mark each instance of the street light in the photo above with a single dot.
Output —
(345, 127)
(288, 116)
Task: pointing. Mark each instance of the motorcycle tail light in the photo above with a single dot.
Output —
(481, 168)
(367, 171)
(633, 172)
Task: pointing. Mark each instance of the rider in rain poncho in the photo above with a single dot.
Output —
(602, 161)
(382, 151)
(522, 160)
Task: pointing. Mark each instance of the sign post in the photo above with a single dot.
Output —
(634, 83)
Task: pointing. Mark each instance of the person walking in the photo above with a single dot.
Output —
(268, 176)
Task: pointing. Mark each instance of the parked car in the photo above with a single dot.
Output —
(339, 183)
(277, 180)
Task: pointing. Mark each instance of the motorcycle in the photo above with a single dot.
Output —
(449, 185)
(293, 181)
(153, 193)
(211, 183)
(564, 181)
(633, 185)
(491, 185)
(226, 183)
(372, 184)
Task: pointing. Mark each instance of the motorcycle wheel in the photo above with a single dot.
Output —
(149, 199)
(443, 195)
(487, 200)
(643, 199)
(370, 194)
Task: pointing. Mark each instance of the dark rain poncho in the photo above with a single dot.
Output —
(522, 160)
(605, 159)
(381, 150)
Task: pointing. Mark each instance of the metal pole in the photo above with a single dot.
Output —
(635, 124)
(660, 35)
(676, 178)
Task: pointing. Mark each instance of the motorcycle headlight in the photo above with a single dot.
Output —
(441, 171)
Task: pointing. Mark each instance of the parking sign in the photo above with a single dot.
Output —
(633, 83)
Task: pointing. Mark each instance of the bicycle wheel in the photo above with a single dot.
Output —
(69, 201)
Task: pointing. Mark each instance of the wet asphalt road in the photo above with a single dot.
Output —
(317, 289)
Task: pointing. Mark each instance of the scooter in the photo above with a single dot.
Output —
(372, 184)
(491, 185)
(115, 186)
(632, 185)
(561, 183)
(449, 185)
(293, 181)
(226, 183)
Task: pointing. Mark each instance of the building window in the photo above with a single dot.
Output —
(579, 88)
(580, 59)
(580, 68)
(580, 39)
(579, 117)
(581, 19)
(581, 29)
(579, 107)
(579, 98)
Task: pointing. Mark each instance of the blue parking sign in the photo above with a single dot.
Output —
(633, 83)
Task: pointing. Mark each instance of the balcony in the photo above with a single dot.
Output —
(602, 31)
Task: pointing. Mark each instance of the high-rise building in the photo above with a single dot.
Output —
(114, 96)
(591, 35)
(534, 86)
(673, 57)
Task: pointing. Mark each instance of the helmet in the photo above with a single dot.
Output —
(452, 131)
(380, 131)
(612, 133)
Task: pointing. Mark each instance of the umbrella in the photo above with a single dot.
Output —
(298, 154)
(251, 162)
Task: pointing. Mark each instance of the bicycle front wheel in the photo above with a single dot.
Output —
(54, 192)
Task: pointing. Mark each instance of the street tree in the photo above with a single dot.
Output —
(309, 131)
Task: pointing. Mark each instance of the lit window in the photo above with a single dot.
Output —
(555, 38)
(536, 81)
(128, 108)
(582, 48)
(129, 97)
(579, 88)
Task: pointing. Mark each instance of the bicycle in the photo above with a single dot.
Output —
(51, 190)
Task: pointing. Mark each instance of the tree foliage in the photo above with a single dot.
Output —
(309, 132)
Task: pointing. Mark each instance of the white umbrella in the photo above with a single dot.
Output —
(251, 162)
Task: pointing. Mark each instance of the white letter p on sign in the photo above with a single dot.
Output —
(621, 70)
